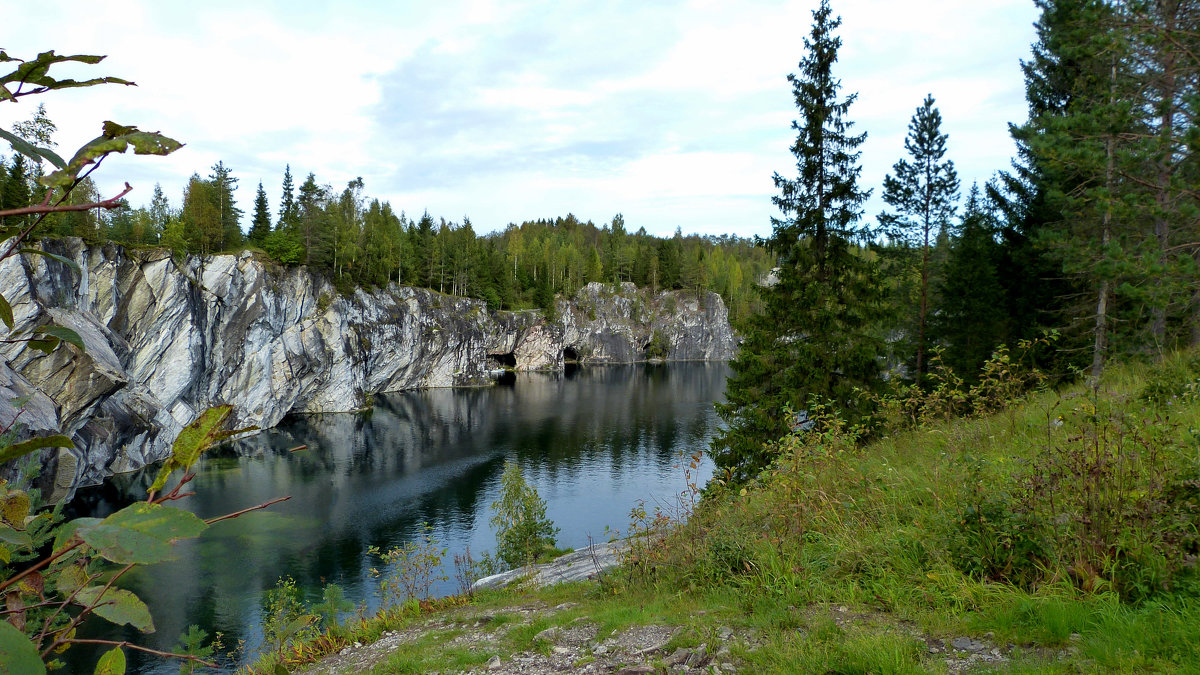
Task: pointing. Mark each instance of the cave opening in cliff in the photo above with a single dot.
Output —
(498, 361)
(570, 361)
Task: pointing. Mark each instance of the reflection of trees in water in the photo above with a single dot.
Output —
(372, 479)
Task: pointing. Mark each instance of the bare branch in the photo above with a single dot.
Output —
(170, 655)
(235, 514)
(44, 207)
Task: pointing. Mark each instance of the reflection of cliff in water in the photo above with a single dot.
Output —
(434, 456)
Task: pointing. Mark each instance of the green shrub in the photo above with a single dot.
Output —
(410, 569)
(523, 533)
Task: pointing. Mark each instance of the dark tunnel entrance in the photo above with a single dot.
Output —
(508, 360)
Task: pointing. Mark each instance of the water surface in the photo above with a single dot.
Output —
(593, 442)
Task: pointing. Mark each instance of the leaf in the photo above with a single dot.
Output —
(30, 150)
(18, 656)
(9, 453)
(46, 344)
(280, 669)
(112, 663)
(141, 532)
(69, 529)
(53, 256)
(36, 72)
(114, 138)
(14, 507)
(118, 606)
(6, 314)
(193, 440)
(70, 579)
(62, 333)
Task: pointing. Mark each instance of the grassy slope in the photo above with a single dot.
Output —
(852, 561)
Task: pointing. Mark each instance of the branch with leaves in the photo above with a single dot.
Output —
(55, 574)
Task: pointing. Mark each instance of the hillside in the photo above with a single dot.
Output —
(1055, 535)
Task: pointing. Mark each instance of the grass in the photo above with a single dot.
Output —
(856, 559)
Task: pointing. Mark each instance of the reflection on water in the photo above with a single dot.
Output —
(593, 442)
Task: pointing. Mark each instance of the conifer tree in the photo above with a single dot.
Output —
(260, 226)
(970, 322)
(922, 190)
(228, 214)
(814, 339)
(160, 210)
(287, 204)
(16, 191)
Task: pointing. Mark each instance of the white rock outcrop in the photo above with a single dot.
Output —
(166, 339)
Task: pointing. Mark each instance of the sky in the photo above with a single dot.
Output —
(675, 114)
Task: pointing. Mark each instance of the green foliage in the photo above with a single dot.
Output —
(817, 336)
(1175, 380)
(922, 192)
(658, 347)
(523, 533)
(333, 604)
(111, 663)
(286, 619)
(410, 569)
(194, 642)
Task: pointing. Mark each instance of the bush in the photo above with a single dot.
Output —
(412, 569)
(523, 533)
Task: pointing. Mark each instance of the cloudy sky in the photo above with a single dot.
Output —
(675, 114)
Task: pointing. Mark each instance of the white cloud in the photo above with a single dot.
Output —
(672, 114)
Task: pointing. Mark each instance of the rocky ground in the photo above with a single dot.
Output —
(497, 639)
(578, 646)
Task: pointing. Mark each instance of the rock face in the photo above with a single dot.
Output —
(166, 339)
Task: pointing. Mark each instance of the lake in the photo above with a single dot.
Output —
(593, 442)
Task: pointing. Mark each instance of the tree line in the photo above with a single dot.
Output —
(1092, 235)
(360, 241)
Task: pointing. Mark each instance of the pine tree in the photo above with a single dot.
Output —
(922, 192)
(260, 226)
(287, 204)
(1037, 294)
(228, 214)
(814, 339)
(16, 191)
(970, 322)
(160, 210)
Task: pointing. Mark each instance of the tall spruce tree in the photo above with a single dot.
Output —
(229, 215)
(970, 321)
(288, 211)
(1038, 295)
(260, 225)
(815, 340)
(922, 191)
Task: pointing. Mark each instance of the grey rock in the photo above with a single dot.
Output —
(576, 566)
(966, 644)
(166, 339)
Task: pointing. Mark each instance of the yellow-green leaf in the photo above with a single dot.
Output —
(71, 579)
(141, 532)
(113, 138)
(53, 256)
(11, 452)
(117, 605)
(6, 313)
(112, 663)
(192, 441)
(14, 507)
